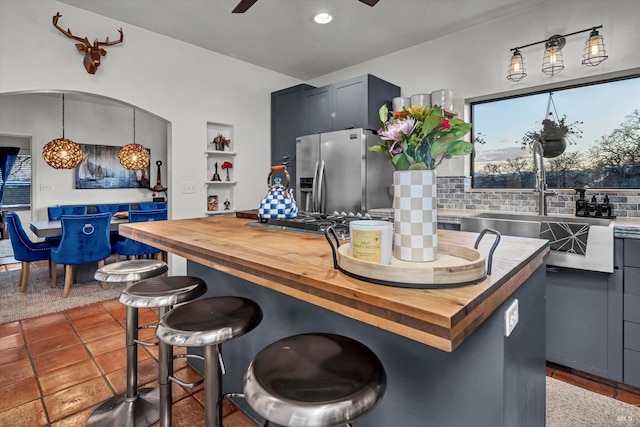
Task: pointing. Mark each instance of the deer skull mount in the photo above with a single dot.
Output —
(92, 53)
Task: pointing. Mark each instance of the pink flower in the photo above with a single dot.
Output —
(446, 124)
(398, 128)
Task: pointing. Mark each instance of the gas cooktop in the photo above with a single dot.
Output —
(314, 223)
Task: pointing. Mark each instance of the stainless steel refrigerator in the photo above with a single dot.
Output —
(335, 171)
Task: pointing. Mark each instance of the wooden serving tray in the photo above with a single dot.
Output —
(456, 265)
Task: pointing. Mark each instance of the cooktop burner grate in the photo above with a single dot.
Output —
(314, 223)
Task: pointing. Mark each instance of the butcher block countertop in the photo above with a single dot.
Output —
(301, 266)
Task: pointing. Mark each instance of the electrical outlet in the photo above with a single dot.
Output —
(188, 188)
(511, 318)
(46, 187)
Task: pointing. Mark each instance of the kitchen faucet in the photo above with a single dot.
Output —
(540, 183)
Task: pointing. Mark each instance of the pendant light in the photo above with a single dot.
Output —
(594, 52)
(62, 153)
(134, 156)
(553, 62)
(516, 67)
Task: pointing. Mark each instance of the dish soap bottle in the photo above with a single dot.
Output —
(606, 207)
(591, 206)
(581, 202)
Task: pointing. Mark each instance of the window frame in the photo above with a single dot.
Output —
(538, 90)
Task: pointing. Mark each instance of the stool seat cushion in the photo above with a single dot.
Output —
(163, 291)
(209, 321)
(131, 270)
(319, 380)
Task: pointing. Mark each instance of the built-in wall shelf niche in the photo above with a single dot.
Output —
(220, 182)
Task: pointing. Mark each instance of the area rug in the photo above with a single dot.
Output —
(5, 248)
(40, 299)
(571, 406)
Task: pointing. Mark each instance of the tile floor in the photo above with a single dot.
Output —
(57, 368)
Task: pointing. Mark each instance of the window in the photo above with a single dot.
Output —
(18, 186)
(602, 146)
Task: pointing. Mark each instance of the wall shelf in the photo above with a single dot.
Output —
(224, 190)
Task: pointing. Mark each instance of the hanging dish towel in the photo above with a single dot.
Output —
(565, 236)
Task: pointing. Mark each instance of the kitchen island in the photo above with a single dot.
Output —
(447, 359)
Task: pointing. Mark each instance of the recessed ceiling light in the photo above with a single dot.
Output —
(323, 18)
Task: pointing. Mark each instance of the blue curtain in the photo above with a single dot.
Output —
(8, 157)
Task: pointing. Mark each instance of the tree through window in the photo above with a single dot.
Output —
(602, 144)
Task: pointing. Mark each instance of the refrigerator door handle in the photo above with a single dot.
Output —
(314, 190)
(319, 194)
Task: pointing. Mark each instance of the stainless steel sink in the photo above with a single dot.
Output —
(599, 251)
(537, 218)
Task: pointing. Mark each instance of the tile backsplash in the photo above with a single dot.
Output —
(455, 192)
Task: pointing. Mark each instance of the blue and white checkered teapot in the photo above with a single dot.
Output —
(279, 201)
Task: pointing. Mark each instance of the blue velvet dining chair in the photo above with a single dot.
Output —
(55, 212)
(85, 239)
(26, 251)
(132, 248)
(152, 206)
(113, 209)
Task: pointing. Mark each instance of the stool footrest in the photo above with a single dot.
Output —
(185, 384)
(146, 343)
(188, 356)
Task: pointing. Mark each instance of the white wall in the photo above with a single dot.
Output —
(474, 62)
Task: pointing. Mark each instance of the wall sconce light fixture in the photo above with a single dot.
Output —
(553, 62)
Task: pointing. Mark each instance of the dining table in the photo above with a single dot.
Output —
(54, 228)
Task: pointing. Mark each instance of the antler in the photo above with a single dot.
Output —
(107, 42)
(67, 33)
(85, 40)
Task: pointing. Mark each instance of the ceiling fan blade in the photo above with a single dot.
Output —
(244, 5)
(370, 2)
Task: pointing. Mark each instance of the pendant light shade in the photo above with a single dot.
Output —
(62, 153)
(553, 62)
(594, 52)
(134, 156)
(516, 67)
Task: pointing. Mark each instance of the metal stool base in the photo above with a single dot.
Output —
(143, 410)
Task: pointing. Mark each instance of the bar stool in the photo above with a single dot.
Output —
(208, 323)
(314, 380)
(134, 407)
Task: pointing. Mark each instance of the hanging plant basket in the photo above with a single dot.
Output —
(553, 147)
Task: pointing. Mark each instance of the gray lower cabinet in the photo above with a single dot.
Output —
(584, 319)
(632, 312)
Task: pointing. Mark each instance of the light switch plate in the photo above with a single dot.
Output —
(511, 318)
(188, 188)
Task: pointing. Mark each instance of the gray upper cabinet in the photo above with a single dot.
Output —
(350, 104)
(357, 101)
(287, 107)
(317, 110)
